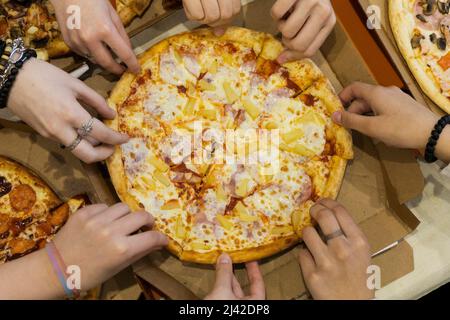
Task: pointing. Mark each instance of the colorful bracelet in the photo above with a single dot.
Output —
(11, 61)
(59, 267)
(430, 150)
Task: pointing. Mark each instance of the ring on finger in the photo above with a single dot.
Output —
(86, 128)
(73, 145)
(334, 235)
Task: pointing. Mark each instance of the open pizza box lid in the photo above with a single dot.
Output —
(378, 10)
(378, 182)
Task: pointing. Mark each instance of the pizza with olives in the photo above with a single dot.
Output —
(228, 149)
(30, 212)
(422, 31)
(35, 22)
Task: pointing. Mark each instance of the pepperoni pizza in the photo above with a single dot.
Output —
(30, 212)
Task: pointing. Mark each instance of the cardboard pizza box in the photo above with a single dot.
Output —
(386, 39)
(378, 183)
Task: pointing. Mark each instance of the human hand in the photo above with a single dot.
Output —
(227, 286)
(398, 120)
(47, 99)
(101, 242)
(304, 24)
(336, 270)
(100, 30)
(216, 13)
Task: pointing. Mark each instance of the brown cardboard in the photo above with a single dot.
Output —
(380, 178)
(381, 187)
(387, 40)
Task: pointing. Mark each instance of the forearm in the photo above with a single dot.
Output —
(30, 277)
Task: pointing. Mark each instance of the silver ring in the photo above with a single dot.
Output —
(86, 128)
(74, 144)
(334, 235)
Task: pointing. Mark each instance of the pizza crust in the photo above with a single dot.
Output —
(337, 169)
(323, 90)
(397, 16)
(241, 256)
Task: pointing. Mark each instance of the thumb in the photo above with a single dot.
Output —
(288, 56)
(224, 273)
(352, 120)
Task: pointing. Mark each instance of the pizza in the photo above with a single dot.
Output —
(228, 149)
(35, 21)
(30, 212)
(422, 32)
(130, 9)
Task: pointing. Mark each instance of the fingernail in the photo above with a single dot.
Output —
(224, 259)
(281, 59)
(164, 240)
(113, 114)
(137, 70)
(337, 117)
(219, 31)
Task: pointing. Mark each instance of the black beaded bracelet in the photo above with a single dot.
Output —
(13, 59)
(2, 47)
(430, 150)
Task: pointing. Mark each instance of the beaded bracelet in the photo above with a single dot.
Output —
(11, 61)
(430, 150)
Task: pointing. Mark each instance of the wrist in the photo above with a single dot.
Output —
(49, 277)
(21, 82)
(443, 145)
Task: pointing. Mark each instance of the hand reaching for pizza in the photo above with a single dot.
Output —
(304, 25)
(216, 13)
(391, 116)
(336, 269)
(48, 99)
(101, 241)
(227, 286)
(100, 31)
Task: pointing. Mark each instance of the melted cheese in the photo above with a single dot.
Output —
(165, 102)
